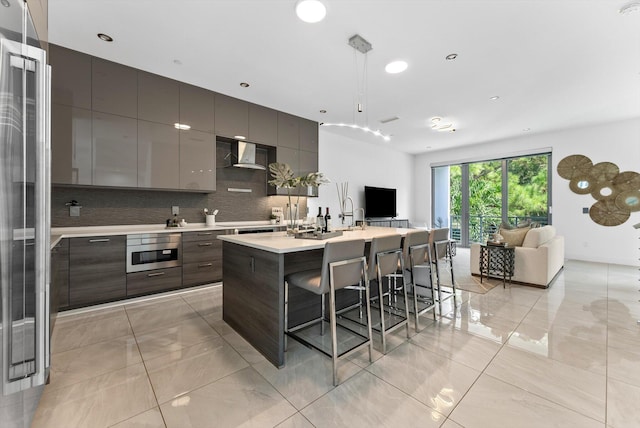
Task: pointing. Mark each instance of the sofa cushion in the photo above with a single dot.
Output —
(539, 236)
(514, 237)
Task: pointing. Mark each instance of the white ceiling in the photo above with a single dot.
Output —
(554, 63)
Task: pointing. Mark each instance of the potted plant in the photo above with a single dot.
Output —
(283, 177)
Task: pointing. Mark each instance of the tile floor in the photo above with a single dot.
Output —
(568, 356)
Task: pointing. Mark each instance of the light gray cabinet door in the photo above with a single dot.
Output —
(158, 156)
(288, 131)
(114, 88)
(158, 98)
(197, 108)
(115, 150)
(71, 77)
(308, 135)
(232, 116)
(263, 125)
(197, 161)
(71, 146)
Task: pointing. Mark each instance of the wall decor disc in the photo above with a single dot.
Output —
(604, 171)
(628, 180)
(574, 165)
(629, 200)
(582, 184)
(606, 213)
(604, 191)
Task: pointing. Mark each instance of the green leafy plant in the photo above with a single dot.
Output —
(282, 176)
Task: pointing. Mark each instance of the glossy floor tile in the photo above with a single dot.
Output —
(519, 356)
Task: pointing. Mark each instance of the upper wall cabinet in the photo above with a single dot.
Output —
(115, 150)
(71, 148)
(197, 108)
(288, 131)
(71, 77)
(158, 98)
(114, 88)
(263, 125)
(158, 154)
(308, 135)
(232, 116)
(197, 161)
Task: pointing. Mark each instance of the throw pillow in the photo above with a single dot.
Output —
(514, 237)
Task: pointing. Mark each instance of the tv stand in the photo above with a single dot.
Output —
(388, 222)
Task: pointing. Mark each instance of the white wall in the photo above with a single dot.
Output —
(617, 142)
(360, 163)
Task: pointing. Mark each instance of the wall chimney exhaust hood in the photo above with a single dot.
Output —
(246, 155)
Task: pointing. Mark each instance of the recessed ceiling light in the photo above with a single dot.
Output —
(182, 126)
(396, 67)
(323, 111)
(527, 129)
(5, 3)
(630, 8)
(105, 37)
(495, 97)
(451, 56)
(244, 84)
(310, 11)
(239, 137)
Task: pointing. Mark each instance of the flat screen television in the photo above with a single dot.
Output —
(379, 202)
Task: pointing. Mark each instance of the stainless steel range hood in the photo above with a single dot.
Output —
(246, 155)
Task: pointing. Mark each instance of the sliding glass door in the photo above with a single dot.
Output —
(474, 199)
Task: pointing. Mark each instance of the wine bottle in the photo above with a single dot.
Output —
(320, 221)
(327, 222)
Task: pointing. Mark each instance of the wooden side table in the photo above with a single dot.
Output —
(497, 261)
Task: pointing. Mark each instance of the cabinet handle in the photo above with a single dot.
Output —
(155, 274)
(98, 240)
(205, 244)
(205, 234)
(205, 264)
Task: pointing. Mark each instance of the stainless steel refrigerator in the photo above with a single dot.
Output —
(24, 216)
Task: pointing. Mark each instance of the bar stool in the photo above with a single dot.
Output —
(417, 274)
(343, 267)
(441, 249)
(384, 257)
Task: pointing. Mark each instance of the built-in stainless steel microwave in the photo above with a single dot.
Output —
(151, 251)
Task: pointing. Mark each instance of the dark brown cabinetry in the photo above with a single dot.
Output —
(114, 88)
(263, 125)
(308, 136)
(197, 108)
(153, 281)
(158, 98)
(71, 146)
(201, 258)
(115, 150)
(59, 279)
(158, 156)
(97, 267)
(232, 116)
(197, 161)
(71, 77)
(288, 131)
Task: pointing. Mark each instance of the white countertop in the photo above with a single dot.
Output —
(279, 242)
(58, 233)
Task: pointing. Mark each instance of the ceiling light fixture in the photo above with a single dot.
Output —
(5, 3)
(323, 111)
(244, 84)
(438, 124)
(396, 67)
(310, 11)
(527, 129)
(105, 37)
(630, 8)
(182, 126)
(239, 137)
(495, 97)
(451, 56)
(376, 132)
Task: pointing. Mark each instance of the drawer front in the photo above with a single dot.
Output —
(203, 235)
(202, 272)
(201, 251)
(109, 252)
(153, 281)
(96, 287)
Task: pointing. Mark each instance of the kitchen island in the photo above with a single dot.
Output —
(253, 283)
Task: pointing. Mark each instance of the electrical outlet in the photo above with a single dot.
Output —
(175, 210)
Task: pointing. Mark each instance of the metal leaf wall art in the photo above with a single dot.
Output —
(617, 194)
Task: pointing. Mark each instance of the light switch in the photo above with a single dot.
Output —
(74, 211)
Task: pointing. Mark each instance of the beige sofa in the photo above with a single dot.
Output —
(537, 261)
